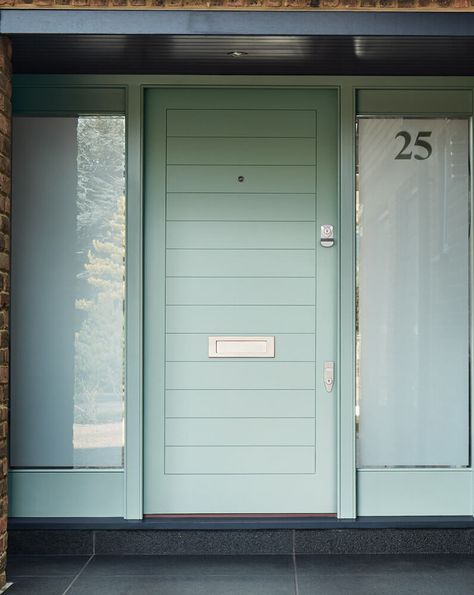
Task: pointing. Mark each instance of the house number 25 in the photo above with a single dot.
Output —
(424, 147)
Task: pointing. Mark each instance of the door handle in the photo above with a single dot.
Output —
(328, 376)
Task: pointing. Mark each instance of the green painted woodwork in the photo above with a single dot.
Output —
(240, 291)
(227, 319)
(51, 100)
(193, 348)
(28, 89)
(133, 463)
(413, 102)
(246, 297)
(243, 207)
(346, 372)
(75, 493)
(225, 235)
(250, 375)
(240, 263)
(232, 461)
(241, 151)
(239, 403)
(225, 178)
(239, 432)
(215, 122)
(414, 492)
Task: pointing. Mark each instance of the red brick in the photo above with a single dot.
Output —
(5, 184)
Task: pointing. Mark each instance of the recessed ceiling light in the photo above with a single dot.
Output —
(237, 54)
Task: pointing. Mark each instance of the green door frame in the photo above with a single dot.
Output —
(32, 94)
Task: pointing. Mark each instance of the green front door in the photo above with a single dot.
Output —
(237, 185)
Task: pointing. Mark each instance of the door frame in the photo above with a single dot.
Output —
(29, 97)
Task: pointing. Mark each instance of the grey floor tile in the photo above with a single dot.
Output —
(355, 564)
(190, 565)
(211, 585)
(459, 583)
(23, 566)
(59, 542)
(389, 584)
(39, 586)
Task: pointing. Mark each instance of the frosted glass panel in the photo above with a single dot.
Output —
(67, 344)
(413, 292)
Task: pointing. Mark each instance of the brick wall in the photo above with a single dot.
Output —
(5, 187)
(364, 5)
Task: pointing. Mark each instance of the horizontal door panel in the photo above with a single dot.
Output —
(190, 291)
(241, 122)
(241, 151)
(194, 347)
(240, 403)
(240, 320)
(218, 374)
(240, 263)
(241, 178)
(239, 459)
(245, 235)
(241, 207)
(240, 432)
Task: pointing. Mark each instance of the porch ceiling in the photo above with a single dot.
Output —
(211, 54)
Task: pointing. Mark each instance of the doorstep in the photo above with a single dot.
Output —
(424, 535)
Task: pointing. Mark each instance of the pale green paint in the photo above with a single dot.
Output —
(215, 305)
(263, 320)
(240, 432)
(233, 461)
(232, 207)
(29, 85)
(240, 263)
(239, 291)
(240, 403)
(256, 375)
(154, 298)
(411, 102)
(133, 462)
(232, 235)
(66, 493)
(257, 178)
(51, 100)
(413, 492)
(241, 151)
(241, 493)
(346, 437)
(209, 122)
(193, 348)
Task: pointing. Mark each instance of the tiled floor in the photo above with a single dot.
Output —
(305, 574)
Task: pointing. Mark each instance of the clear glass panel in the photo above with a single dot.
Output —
(68, 270)
(413, 292)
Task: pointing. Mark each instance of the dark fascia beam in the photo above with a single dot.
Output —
(182, 22)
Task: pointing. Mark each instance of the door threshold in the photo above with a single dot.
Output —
(332, 515)
(247, 523)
